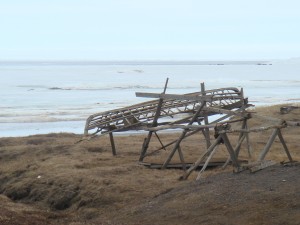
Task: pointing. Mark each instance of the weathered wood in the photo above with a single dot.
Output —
(181, 158)
(293, 123)
(174, 96)
(206, 130)
(242, 136)
(201, 158)
(158, 138)
(287, 109)
(154, 123)
(261, 165)
(112, 143)
(182, 136)
(230, 150)
(284, 145)
(192, 127)
(236, 150)
(259, 129)
(172, 142)
(264, 152)
(206, 162)
(249, 148)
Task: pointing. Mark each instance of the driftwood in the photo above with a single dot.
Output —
(287, 109)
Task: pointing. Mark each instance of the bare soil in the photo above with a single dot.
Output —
(51, 179)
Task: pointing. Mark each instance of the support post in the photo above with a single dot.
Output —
(206, 130)
(284, 145)
(233, 157)
(249, 148)
(206, 162)
(236, 150)
(264, 152)
(181, 158)
(154, 124)
(182, 136)
(197, 163)
(112, 142)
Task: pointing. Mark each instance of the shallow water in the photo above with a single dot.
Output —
(56, 97)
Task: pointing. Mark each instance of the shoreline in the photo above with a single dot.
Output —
(77, 127)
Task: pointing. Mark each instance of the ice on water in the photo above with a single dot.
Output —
(42, 98)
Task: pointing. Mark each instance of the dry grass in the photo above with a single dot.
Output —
(50, 179)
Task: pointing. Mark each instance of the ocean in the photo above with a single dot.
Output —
(44, 97)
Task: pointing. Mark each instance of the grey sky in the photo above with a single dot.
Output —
(149, 30)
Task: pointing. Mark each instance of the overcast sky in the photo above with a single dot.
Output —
(149, 29)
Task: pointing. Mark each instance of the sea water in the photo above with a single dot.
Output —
(41, 97)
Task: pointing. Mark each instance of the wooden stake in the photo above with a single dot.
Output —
(113, 147)
(181, 159)
(206, 130)
(154, 124)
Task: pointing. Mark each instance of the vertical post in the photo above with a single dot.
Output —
(181, 158)
(244, 125)
(154, 124)
(232, 154)
(113, 147)
(206, 130)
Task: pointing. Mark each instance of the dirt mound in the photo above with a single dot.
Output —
(268, 197)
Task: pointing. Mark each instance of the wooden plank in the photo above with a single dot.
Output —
(179, 165)
(174, 96)
(262, 165)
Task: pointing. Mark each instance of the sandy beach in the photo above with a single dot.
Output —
(53, 179)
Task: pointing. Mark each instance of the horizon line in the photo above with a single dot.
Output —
(136, 62)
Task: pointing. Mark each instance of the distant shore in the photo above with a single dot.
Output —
(139, 62)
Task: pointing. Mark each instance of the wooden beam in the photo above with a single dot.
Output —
(284, 145)
(230, 150)
(206, 130)
(206, 162)
(264, 152)
(200, 159)
(154, 124)
(261, 165)
(184, 132)
(113, 147)
(174, 96)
